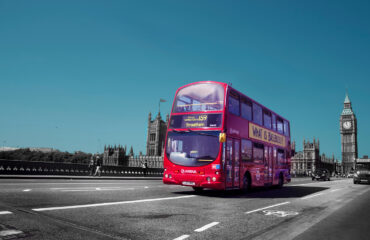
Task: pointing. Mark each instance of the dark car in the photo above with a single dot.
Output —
(321, 174)
(362, 175)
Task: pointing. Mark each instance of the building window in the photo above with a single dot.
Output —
(152, 137)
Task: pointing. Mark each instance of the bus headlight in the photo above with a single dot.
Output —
(208, 179)
(169, 176)
(166, 175)
(214, 179)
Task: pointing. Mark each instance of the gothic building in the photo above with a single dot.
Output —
(115, 156)
(348, 133)
(307, 161)
(118, 155)
(156, 135)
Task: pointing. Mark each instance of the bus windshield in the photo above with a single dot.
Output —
(199, 97)
(192, 148)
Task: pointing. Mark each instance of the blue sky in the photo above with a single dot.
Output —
(76, 75)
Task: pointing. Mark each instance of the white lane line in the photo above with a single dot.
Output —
(97, 189)
(206, 227)
(6, 233)
(26, 190)
(108, 204)
(259, 209)
(5, 212)
(334, 190)
(311, 196)
(83, 188)
(182, 237)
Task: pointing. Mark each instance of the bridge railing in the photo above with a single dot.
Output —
(54, 168)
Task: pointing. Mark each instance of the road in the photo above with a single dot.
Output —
(147, 209)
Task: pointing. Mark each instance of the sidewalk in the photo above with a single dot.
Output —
(79, 177)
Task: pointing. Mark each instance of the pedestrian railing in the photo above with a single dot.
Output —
(52, 168)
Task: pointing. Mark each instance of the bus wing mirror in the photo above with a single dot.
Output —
(222, 137)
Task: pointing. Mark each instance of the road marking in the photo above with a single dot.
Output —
(259, 209)
(206, 227)
(26, 190)
(97, 189)
(5, 212)
(279, 213)
(182, 237)
(109, 203)
(146, 187)
(334, 190)
(6, 233)
(311, 196)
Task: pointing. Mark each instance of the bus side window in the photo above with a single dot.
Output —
(281, 157)
(246, 109)
(267, 119)
(274, 122)
(257, 114)
(258, 150)
(280, 126)
(234, 104)
(286, 128)
(246, 150)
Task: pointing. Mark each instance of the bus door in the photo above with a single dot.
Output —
(268, 166)
(271, 166)
(232, 163)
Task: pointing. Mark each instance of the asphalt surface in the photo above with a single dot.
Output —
(147, 209)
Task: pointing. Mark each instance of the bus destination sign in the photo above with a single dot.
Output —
(262, 134)
(196, 121)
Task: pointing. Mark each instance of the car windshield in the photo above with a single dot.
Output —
(192, 148)
(363, 167)
(199, 97)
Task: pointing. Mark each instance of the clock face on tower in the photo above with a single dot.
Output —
(347, 125)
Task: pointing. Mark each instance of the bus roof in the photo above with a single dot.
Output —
(226, 86)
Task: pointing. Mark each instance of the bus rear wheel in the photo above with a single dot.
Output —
(281, 181)
(198, 189)
(247, 183)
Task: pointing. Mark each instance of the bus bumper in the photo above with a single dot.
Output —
(218, 185)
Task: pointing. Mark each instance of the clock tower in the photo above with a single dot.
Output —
(348, 133)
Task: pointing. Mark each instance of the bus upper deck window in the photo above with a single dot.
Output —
(234, 104)
(257, 113)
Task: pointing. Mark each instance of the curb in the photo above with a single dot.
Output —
(76, 177)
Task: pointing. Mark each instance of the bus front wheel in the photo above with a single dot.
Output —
(198, 189)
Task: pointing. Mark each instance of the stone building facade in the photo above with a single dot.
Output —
(118, 156)
(115, 156)
(307, 161)
(156, 135)
(348, 133)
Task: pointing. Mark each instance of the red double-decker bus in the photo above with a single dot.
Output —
(219, 138)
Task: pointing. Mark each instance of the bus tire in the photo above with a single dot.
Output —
(198, 189)
(281, 181)
(247, 182)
